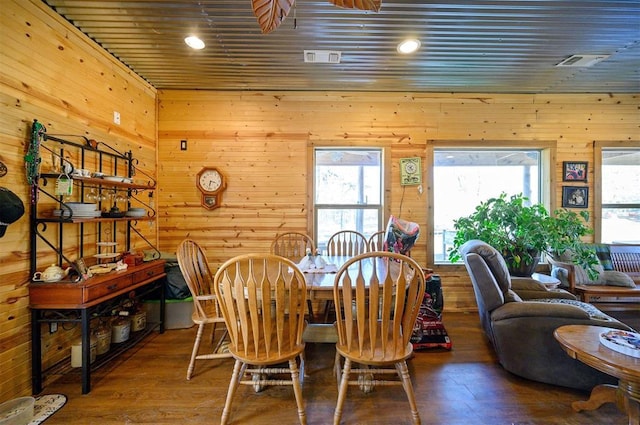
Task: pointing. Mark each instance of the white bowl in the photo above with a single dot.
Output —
(18, 411)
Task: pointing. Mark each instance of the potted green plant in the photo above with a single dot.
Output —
(522, 231)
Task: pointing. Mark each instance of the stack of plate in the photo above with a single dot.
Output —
(79, 210)
(136, 212)
(118, 179)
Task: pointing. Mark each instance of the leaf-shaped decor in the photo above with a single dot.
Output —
(373, 5)
(271, 13)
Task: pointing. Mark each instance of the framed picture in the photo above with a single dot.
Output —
(574, 171)
(575, 196)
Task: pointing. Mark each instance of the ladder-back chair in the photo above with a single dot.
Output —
(195, 269)
(378, 297)
(263, 299)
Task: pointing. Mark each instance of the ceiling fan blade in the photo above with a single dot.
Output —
(271, 13)
(373, 5)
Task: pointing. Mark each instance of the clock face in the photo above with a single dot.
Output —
(410, 167)
(210, 180)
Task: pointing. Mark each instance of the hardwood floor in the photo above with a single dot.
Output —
(464, 386)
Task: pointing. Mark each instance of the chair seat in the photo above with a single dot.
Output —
(256, 351)
(391, 353)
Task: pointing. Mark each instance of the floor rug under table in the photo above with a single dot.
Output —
(46, 406)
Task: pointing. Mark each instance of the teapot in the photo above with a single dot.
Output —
(52, 273)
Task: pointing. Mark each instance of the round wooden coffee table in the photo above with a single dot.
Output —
(583, 343)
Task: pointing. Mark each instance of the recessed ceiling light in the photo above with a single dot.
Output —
(409, 46)
(194, 42)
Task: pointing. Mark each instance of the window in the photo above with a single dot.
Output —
(620, 194)
(347, 191)
(462, 178)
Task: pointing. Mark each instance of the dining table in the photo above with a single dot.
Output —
(320, 283)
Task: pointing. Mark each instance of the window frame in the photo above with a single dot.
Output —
(549, 169)
(385, 207)
(598, 147)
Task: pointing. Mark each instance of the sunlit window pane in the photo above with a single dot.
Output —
(464, 178)
(347, 191)
(620, 220)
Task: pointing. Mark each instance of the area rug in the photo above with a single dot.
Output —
(46, 406)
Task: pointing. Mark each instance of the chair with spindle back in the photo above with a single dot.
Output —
(344, 243)
(376, 241)
(292, 245)
(378, 297)
(195, 269)
(347, 243)
(263, 299)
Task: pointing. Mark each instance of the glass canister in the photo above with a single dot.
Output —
(120, 329)
(103, 337)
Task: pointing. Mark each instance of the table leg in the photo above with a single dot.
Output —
(631, 392)
(600, 395)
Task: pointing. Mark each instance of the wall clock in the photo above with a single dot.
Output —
(410, 171)
(211, 182)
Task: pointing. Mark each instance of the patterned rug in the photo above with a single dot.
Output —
(46, 406)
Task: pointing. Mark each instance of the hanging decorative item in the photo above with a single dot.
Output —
(271, 13)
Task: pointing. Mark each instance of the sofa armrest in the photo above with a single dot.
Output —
(529, 289)
(538, 309)
(570, 268)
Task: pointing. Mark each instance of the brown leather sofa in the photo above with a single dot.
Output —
(519, 318)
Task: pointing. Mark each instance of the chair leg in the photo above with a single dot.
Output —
(233, 385)
(342, 393)
(337, 369)
(297, 390)
(403, 372)
(194, 352)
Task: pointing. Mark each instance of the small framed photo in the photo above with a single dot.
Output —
(574, 171)
(575, 196)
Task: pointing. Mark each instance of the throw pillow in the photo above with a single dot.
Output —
(616, 278)
(604, 255)
(582, 278)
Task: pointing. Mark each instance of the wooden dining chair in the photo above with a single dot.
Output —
(292, 245)
(206, 311)
(344, 243)
(377, 297)
(376, 241)
(347, 243)
(263, 300)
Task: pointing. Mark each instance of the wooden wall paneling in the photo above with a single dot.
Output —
(343, 118)
(52, 72)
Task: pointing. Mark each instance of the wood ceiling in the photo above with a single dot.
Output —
(497, 46)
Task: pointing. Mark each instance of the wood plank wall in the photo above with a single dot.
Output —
(53, 73)
(261, 140)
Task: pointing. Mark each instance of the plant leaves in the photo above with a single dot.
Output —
(271, 13)
(373, 5)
